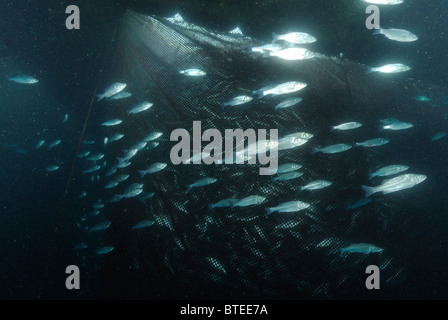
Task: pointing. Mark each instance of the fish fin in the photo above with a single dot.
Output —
(369, 70)
(300, 188)
(260, 94)
(332, 128)
(341, 252)
(99, 96)
(274, 37)
(223, 105)
(314, 150)
(371, 176)
(268, 210)
(210, 207)
(369, 190)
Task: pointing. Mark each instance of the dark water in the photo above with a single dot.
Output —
(39, 209)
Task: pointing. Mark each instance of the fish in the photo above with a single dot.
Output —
(224, 203)
(335, 148)
(82, 195)
(388, 171)
(88, 142)
(112, 90)
(193, 72)
(284, 168)
(401, 182)
(202, 182)
(103, 225)
(116, 137)
(98, 205)
(139, 145)
(293, 54)
(283, 88)
(385, 2)
(152, 136)
(120, 95)
(65, 118)
(294, 37)
(111, 184)
(104, 250)
(237, 101)
(287, 176)
(438, 135)
(364, 248)
(122, 177)
(250, 200)
(40, 143)
(346, 126)
(133, 190)
(92, 169)
(96, 157)
(123, 164)
(373, 142)
(128, 155)
(54, 143)
(52, 167)
(389, 68)
(398, 126)
(400, 35)
(105, 141)
(110, 171)
(145, 196)
(112, 122)
(288, 103)
(143, 224)
(290, 206)
(266, 47)
(83, 154)
(81, 246)
(20, 150)
(140, 107)
(23, 79)
(422, 98)
(315, 185)
(155, 167)
(359, 203)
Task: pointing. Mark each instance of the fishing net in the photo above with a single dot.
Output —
(196, 252)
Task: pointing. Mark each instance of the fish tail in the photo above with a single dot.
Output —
(210, 207)
(300, 188)
(274, 37)
(99, 96)
(341, 252)
(369, 70)
(371, 176)
(332, 128)
(314, 150)
(268, 210)
(141, 173)
(377, 31)
(368, 190)
(223, 105)
(260, 94)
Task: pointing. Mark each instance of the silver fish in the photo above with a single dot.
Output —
(52, 167)
(400, 35)
(287, 176)
(364, 248)
(439, 135)
(65, 118)
(401, 182)
(288, 103)
(359, 203)
(229, 202)
(293, 54)
(122, 177)
(193, 72)
(315, 185)
(152, 136)
(287, 87)
(398, 126)
(40, 144)
(111, 90)
(202, 182)
(389, 68)
(335, 148)
(346, 126)
(156, 167)
(111, 184)
(121, 95)
(92, 169)
(267, 47)
(54, 143)
(112, 122)
(250, 200)
(388, 171)
(103, 225)
(116, 137)
(143, 224)
(294, 37)
(237, 101)
(96, 157)
(104, 250)
(385, 2)
(373, 142)
(290, 206)
(284, 168)
(23, 79)
(143, 106)
(110, 171)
